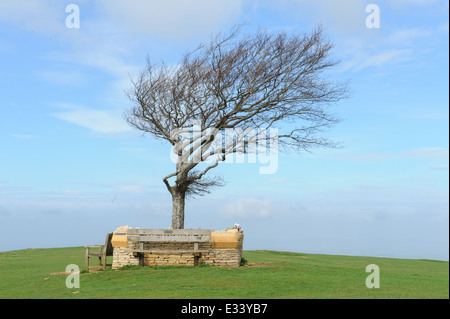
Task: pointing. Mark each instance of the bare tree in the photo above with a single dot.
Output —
(254, 83)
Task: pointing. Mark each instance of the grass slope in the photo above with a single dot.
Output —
(28, 274)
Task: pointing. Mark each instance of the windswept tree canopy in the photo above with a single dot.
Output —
(251, 82)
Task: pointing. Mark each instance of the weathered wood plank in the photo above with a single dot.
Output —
(178, 239)
(153, 251)
(169, 231)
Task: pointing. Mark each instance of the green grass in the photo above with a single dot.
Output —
(27, 274)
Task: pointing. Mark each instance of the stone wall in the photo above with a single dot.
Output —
(123, 257)
(163, 253)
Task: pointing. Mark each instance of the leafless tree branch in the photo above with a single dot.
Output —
(257, 81)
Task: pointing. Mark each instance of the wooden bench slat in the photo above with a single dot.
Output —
(179, 239)
(100, 253)
(193, 236)
(185, 232)
(169, 251)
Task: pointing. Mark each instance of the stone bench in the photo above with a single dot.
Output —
(150, 236)
(153, 247)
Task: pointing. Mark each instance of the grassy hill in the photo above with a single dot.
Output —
(33, 273)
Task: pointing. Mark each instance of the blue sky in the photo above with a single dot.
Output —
(72, 170)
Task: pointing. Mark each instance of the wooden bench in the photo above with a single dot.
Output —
(148, 236)
(102, 252)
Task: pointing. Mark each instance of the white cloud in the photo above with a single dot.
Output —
(62, 78)
(388, 57)
(345, 16)
(408, 36)
(425, 153)
(443, 167)
(99, 43)
(41, 16)
(439, 153)
(444, 28)
(413, 2)
(117, 188)
(247, 208)
(24, 136)
(106, 41)
(175, 19)
(278, 180)
(359, 47)
(101, 121)
(130, 188)
(338, 16)
(388, 49)
(4, 212)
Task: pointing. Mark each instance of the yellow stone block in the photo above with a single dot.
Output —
(120, 238)
(226, 239)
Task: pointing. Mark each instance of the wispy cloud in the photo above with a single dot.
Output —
(4, 212)
(358, 46)
(247, 208)
(40, 16)
(389, 57)
(101, 121)
(62, 77)
(443, 167)
(119, 188)
(408, 36)
(439, 153)
(413, 2)
(24, 136)
(389, 48)
(278, 180)
(426, 153)
(171, 19)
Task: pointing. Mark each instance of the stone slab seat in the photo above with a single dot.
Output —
(149, 236)
(176, 247)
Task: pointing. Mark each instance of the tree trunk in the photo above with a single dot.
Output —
(178, 199)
